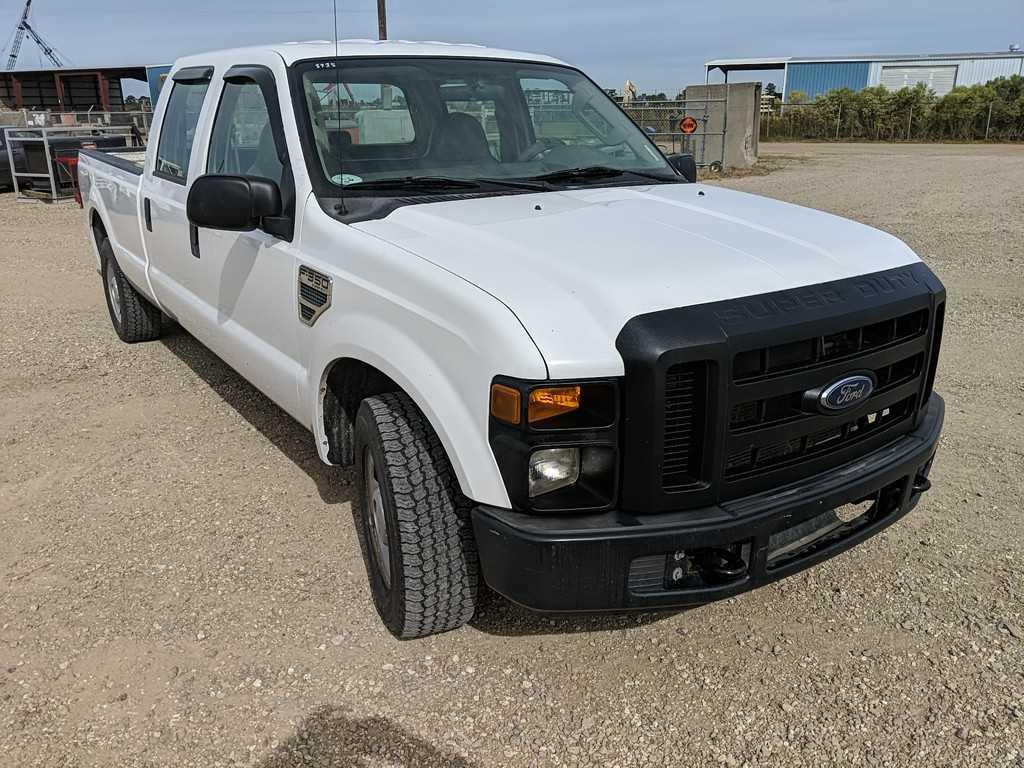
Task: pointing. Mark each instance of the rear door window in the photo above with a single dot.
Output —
(178, 130)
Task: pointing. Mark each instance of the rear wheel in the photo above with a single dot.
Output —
(413, 521)
(133, 317)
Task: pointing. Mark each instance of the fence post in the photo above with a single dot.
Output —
(910, 121)
(988, 123)
(839, 120)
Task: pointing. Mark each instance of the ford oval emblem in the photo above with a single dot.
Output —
(846, 393)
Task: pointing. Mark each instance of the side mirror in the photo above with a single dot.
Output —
(685, 164)
(235, 203)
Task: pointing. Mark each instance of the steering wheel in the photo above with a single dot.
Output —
(538, 148)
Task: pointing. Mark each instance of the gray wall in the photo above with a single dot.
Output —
(741, 122)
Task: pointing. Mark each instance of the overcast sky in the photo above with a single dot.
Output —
(659, 44)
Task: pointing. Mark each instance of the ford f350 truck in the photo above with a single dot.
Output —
(559, 366)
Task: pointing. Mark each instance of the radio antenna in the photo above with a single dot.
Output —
(337, 103)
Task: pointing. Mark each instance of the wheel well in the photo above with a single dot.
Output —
(99, 232)
(347, 383)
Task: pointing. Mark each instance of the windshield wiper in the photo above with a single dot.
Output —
(597, 172)
(415, 182)
(515, 184)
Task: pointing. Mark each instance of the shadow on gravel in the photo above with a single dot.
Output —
(497, 616)
(330, 738)
(332, 483)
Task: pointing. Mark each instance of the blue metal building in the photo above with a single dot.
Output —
(940, 71)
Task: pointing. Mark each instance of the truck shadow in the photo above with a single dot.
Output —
(330, 738)
(497, 616)
(334, 484)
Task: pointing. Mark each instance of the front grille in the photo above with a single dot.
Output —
(773, 436)
(685, 419)
(769, 428)
(846, 344)
(722, 400)
(752, 457)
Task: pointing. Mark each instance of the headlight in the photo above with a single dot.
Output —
(553, 468)
(556, 443)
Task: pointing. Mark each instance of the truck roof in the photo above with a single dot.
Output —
(316, 49)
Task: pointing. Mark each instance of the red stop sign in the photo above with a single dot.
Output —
(688, 124)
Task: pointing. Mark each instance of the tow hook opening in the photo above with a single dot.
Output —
(921, 481)
(719, 564)
(707, 566)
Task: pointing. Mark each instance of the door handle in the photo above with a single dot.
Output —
(147, 213)
(193, 238)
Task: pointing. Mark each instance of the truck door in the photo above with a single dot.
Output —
(166, 230)
(247, 281)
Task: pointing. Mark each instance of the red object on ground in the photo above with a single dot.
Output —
(68, 160)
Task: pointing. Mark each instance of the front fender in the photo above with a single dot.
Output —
(455, 400)
(439, 337)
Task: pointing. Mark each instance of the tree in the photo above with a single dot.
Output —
(771, 90)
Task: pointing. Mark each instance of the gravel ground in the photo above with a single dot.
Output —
(181, 584)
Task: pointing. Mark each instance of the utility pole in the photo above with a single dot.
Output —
(386, 95)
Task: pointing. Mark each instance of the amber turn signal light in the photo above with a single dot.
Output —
(505, 403)
(548, 402)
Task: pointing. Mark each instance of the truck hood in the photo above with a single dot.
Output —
(575, 266)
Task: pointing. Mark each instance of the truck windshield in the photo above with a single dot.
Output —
(422, 124)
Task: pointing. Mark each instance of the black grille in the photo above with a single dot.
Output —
(751, 457)
(685, 420)
(817, 350)
(747, 417)
(772, 435)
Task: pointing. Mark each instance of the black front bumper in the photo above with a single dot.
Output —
(619, 561)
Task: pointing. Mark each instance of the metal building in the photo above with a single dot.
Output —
(939, 71)
(73, 89)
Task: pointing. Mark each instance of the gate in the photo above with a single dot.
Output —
(694, 126)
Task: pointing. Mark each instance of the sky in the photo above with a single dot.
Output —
(660, 45)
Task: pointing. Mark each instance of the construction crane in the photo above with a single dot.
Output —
(19, 35)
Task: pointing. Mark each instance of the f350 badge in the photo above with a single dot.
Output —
(314, 294)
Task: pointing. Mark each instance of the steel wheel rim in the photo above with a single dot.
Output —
(377, 524)
(114, 293)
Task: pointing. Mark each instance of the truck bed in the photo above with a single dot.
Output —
(117, 176)
(130, 160)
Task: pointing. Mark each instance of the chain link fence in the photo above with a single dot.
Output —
(663, 121)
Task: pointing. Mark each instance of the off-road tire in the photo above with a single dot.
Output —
(433, 557)
(134, 318)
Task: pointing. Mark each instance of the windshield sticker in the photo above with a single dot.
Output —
(344, 179)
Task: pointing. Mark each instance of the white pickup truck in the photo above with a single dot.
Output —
(559, 366)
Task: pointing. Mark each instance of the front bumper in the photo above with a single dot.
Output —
(619, 561)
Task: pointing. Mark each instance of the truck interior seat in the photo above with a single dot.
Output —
(462, 139)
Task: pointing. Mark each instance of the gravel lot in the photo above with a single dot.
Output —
(180, 583)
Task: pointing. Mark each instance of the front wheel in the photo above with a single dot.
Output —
(413, 521)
